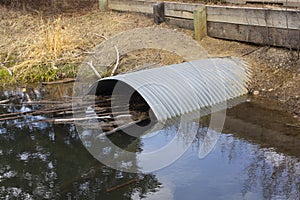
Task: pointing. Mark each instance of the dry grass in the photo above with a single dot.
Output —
(35, 47)
(53, 44)
(50, 6)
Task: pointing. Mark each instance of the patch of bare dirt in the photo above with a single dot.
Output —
(275, 71)
(147, 58)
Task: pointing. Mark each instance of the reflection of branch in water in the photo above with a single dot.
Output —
(277, 175)
(122, 185)
(208, 143)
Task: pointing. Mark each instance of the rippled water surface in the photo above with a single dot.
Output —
(256, 157)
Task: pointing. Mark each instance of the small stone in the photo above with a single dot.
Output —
(270, 90)
(256, 92)
(263, 89)
(248, 100)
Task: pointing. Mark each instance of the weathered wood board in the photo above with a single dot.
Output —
(132, 6)
(103, 5)
(255, 34)
(277, 18)
(181, 23)
(159, 13)
(200, 23)
(287, 3)
(181, 10)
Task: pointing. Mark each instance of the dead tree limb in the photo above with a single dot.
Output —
(90, 64)
(119, 128)
(117, 62)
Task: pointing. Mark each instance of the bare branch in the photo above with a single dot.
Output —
(90, 64)
(119, 128)
(8, 70)
(117, 62)
(102, 36)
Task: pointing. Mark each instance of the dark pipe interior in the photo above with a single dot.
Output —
(137, 104)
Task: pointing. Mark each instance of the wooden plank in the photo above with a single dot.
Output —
(200, 30)
(181, 10)
(255, 34)
(132, 6)
(181, 23)
(287, 3)
(278, 18)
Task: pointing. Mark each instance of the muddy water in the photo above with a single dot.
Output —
(256, 157)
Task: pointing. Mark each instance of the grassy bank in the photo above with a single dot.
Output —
(38, 46)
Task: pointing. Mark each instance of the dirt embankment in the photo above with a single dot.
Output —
(52, 47)
(275, 71)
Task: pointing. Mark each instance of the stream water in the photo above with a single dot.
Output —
(256, 157)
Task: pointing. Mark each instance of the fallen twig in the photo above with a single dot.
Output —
(89, 52)
(249, 52)
(12, 118)
(117, 62)
(43, 102)
(102, 36)
(59, 121)
(67, 80)
(5, 101)
(119, 128)
(90, 64)
(8, 70)
(297, 125)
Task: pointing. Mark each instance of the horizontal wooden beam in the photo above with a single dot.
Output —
(181, 10)
(277, 18)
(255, 34)
(132, 6)
(181, 23)
(287, 3)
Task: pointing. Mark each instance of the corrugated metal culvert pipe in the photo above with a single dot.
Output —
(179, 89)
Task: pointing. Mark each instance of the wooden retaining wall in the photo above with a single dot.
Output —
(274, 27)
(269, 26)
(287, 3)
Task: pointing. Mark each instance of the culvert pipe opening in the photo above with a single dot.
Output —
(124, 103)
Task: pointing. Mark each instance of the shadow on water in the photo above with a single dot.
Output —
(256, 157)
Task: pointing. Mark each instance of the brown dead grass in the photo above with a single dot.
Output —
(50, 6)
(52, 44)
(35, 47)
